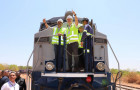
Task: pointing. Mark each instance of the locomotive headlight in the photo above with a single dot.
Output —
(100, 66)
(49, 66)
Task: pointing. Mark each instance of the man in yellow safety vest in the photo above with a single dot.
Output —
(72, 42)
(59, 30)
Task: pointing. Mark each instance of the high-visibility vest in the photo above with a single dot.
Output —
(72, 34)
(55, 38)
(80, 37)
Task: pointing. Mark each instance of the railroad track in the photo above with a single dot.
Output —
(125, 87)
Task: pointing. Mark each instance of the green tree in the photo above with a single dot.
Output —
(2, 67)
(114, 71)
(24, 67)
(6, 66)
(30, 67)
(21, 67)
(13, 67)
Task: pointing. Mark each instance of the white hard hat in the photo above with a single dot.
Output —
(69, 17)
(60, 20)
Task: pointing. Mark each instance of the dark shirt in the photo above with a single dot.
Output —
(3, 80)
(21, 82)
(89, 30)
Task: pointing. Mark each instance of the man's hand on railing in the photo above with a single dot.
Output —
(63, 36)
(59, 34)
(81, 44)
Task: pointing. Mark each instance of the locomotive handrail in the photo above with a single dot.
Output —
(117, 62)
(64, 57)
(86, 58)
(28, 88)
(114, 56)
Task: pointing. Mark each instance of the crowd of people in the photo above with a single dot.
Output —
(75, 38)
(11, 80)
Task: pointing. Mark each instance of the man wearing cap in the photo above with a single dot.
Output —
(59, 30)
(72, 41)
(87, 33)
(87, 27)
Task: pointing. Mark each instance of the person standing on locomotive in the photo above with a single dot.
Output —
(80, 48)
(87, 33)
(72, 41)
(59, 30)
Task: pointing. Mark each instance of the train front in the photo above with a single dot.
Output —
(44, 75)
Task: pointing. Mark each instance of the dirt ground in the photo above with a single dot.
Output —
(130, 84)
(123, 83)
(23, 76)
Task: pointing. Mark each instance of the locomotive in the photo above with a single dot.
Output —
(44, 75)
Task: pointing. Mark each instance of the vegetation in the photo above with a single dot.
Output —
(128, 75)
(2, 67)
(124, 72)
(13, 67)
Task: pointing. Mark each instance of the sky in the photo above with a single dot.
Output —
(118, 19)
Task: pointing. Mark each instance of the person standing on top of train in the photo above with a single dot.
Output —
(59, 30)
(87, 33)
(72, 42)
(87, 27)
(80, 49)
